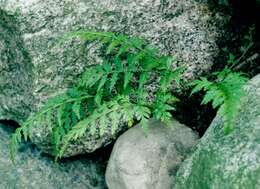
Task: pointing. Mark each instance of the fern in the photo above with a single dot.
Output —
(107, 93)
(225, 89)
(56, 110)
(225, 94)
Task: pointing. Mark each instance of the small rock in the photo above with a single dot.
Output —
(140, 162)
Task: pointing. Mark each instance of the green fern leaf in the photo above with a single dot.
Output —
(210, 95)
(113, 45)
(123, 49)
(127, 78)
(138, 43)
(67, 122)
(59, 115)
(143, 79)
(102, 83)
(201, 84)
(98, 97)
(118, 64)
(113, 81)
(90, 77)
(76, 109)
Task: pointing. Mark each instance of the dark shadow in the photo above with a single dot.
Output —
(243, 15)
(10, 125)
(191, 113)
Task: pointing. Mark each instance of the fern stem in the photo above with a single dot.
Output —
(243, 55)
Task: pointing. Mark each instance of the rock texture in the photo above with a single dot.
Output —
(16, 100)
(149, 162)
(32, 170)
(40, 66)
(228, 161)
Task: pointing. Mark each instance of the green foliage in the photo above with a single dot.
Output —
(225, 89)
(63, 110)
(112, 91)
(224, 93)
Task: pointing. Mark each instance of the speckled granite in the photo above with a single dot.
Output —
(186, 29)
(34, 171)
(16, 99)
(228, 161)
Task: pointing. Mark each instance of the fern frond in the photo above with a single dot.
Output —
(113, 81)
(168, 76)
(107, 115)
(225, 93)
(201, 84)
(53, 105)
(109, 92)
(76, 109)
(127, 78)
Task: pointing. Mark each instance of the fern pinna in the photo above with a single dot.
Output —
(108, 92)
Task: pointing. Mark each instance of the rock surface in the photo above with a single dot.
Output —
(32, 170)
(16, 100)
(140, 162)
(228, 161)
(40, 66)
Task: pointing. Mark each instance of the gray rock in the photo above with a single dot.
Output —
(228, 161)
(149, 162)
(33, 170)
(41, 67)
(16, 100)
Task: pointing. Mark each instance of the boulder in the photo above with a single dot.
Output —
(33, 170)
(149, 162)
(16, 99)
(40, 66)
(228, 161)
